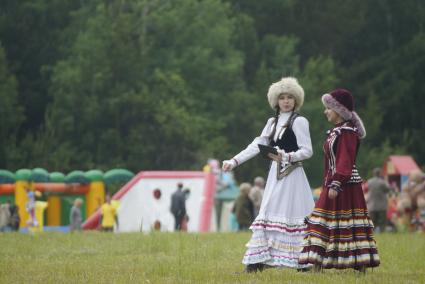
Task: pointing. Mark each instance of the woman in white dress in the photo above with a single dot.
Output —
(279, 228)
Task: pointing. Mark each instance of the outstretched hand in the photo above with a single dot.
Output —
(227, 166)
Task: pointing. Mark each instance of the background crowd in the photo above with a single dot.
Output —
(390, 209)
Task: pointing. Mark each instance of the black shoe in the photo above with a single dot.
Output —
(262, 266)
(317, 268)
(361, 269)
(305, 269)
(254, 268)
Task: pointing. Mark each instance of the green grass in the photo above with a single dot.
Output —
(180, 258)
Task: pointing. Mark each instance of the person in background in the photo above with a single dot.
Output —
(256, 194)
(244, 208)
(109, 215)
(377, 200)
(411, 203)
(4, 217)
(178, 206)
(418, 201)
(30, 207)
(14, 216)
(75, 217)
(392, 214)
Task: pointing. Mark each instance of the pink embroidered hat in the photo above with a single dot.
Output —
(342, 102)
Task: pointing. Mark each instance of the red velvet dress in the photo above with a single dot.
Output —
(339, 231)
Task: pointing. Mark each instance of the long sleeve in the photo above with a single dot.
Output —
(302, 133)
(345, 158)
(252, 149)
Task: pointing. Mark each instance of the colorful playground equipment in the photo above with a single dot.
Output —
(396, 169)
(58, 192)
(209, 202)
(144, 202)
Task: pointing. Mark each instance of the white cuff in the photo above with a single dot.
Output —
(285, 156)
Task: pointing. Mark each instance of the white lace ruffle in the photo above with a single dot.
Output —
(274, 248)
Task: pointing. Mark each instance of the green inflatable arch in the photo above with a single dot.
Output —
(39, 175)
(77, 177)
(57, 177)
(94, 175)
(7, 177)
(118, 175)
(23, 174)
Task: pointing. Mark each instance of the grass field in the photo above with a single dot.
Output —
(180, 258)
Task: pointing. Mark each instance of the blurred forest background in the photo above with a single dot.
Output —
(167, 84)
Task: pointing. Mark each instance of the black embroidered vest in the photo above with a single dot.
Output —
(288, 142)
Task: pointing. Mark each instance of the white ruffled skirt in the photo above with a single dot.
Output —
(279, 229)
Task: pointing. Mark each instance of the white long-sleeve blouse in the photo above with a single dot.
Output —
(301, 131)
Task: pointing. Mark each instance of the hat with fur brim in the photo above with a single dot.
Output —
(286, 85)
(342, 102)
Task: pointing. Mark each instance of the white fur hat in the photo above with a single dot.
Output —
(286, 85)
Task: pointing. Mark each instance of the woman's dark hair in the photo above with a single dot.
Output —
(276, 117)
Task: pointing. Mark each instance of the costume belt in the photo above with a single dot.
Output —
(284, 170)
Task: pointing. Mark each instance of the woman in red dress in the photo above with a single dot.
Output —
(339, 231)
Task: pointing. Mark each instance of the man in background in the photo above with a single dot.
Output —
(178, 206)
(377, 200)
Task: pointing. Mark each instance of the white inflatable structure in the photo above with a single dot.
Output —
(144, 202)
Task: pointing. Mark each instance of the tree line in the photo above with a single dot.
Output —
(159, 84)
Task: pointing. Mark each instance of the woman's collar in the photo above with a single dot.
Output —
(341, 123)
